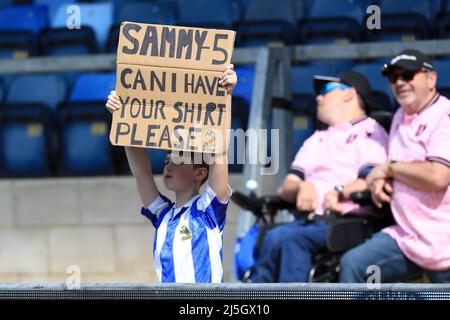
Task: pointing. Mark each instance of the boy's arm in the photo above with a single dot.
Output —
(141, 169)
(218, 171)
(139, 162)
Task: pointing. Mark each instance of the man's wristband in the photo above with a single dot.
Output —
(390, 168)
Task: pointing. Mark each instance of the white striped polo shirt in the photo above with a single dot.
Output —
(188, 241)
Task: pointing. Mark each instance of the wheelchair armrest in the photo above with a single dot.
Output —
(261, 205)
(362, 198)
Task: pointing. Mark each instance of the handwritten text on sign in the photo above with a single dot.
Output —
(168, 85)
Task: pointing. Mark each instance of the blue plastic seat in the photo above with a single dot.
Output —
(96, 20)
(216, 14)
(332, 21)
(239, 121)
(267, 21)
(5, 3)
(142, 12)
(85, 123)
(304, 102)
(2, 92)
(85, 147)
(52, 6)
(93, 87)
(157, 159)
(443, 24)
(19, 28)
(334, 66)
(25, 141)
(442, 68)
(49, 90)
(244, 87)
(404, 20)
(381, 90)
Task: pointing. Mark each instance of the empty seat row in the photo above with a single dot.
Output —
(51, 28)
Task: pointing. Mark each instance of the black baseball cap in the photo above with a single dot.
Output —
(351, 78)
(409, 59)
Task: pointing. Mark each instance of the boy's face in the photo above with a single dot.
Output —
(179, 176)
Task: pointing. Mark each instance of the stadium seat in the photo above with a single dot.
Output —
(96, 20)
(403, 20)
(84, 127)
(382, 93)
(93, 86)
(25, 141)
(157, 159)
(215, 14)
(242, 97)
(19, 28)
(239, 120)
(337, 21)
(443, 25)
(334, 66)
(5, 3)
(244, 87)
(267, 21)
(304, 102)
(84, 143)
(52, 6)
(2, 92)
(443, 82)
(49, 90)
(143, 12)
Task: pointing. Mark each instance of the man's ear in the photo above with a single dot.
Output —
(432, 79)
(349, 94)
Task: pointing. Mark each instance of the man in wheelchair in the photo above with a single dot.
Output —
(331, 165)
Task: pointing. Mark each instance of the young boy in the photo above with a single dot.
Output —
(188, 239)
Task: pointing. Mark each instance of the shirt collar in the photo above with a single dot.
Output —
(430, 103)
(184, 206)
(347, 125)
(408, 118)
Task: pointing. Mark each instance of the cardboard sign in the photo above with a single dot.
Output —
(168, 85)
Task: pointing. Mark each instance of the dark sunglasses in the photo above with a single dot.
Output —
(405, 75)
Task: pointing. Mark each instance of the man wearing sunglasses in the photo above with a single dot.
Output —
(330, 165)
(415, 181)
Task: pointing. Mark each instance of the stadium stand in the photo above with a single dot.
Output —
(404, 20)
(443, 82)
(84, 127)
(90, 37)
(36, 27)
(267, 21)
(215, 14)
(19, 30)
(332, 21)
(381, 90)
(145, 12)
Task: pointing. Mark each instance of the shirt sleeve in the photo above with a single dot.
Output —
(438, 147)
(300, 160)
(213, 208)
(154, 210)
(372, 150)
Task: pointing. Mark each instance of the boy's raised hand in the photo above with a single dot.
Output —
(229, 78)
(113, 103)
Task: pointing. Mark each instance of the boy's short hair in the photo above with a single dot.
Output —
(197, 159)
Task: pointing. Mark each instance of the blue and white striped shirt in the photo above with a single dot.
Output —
(188, 241)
